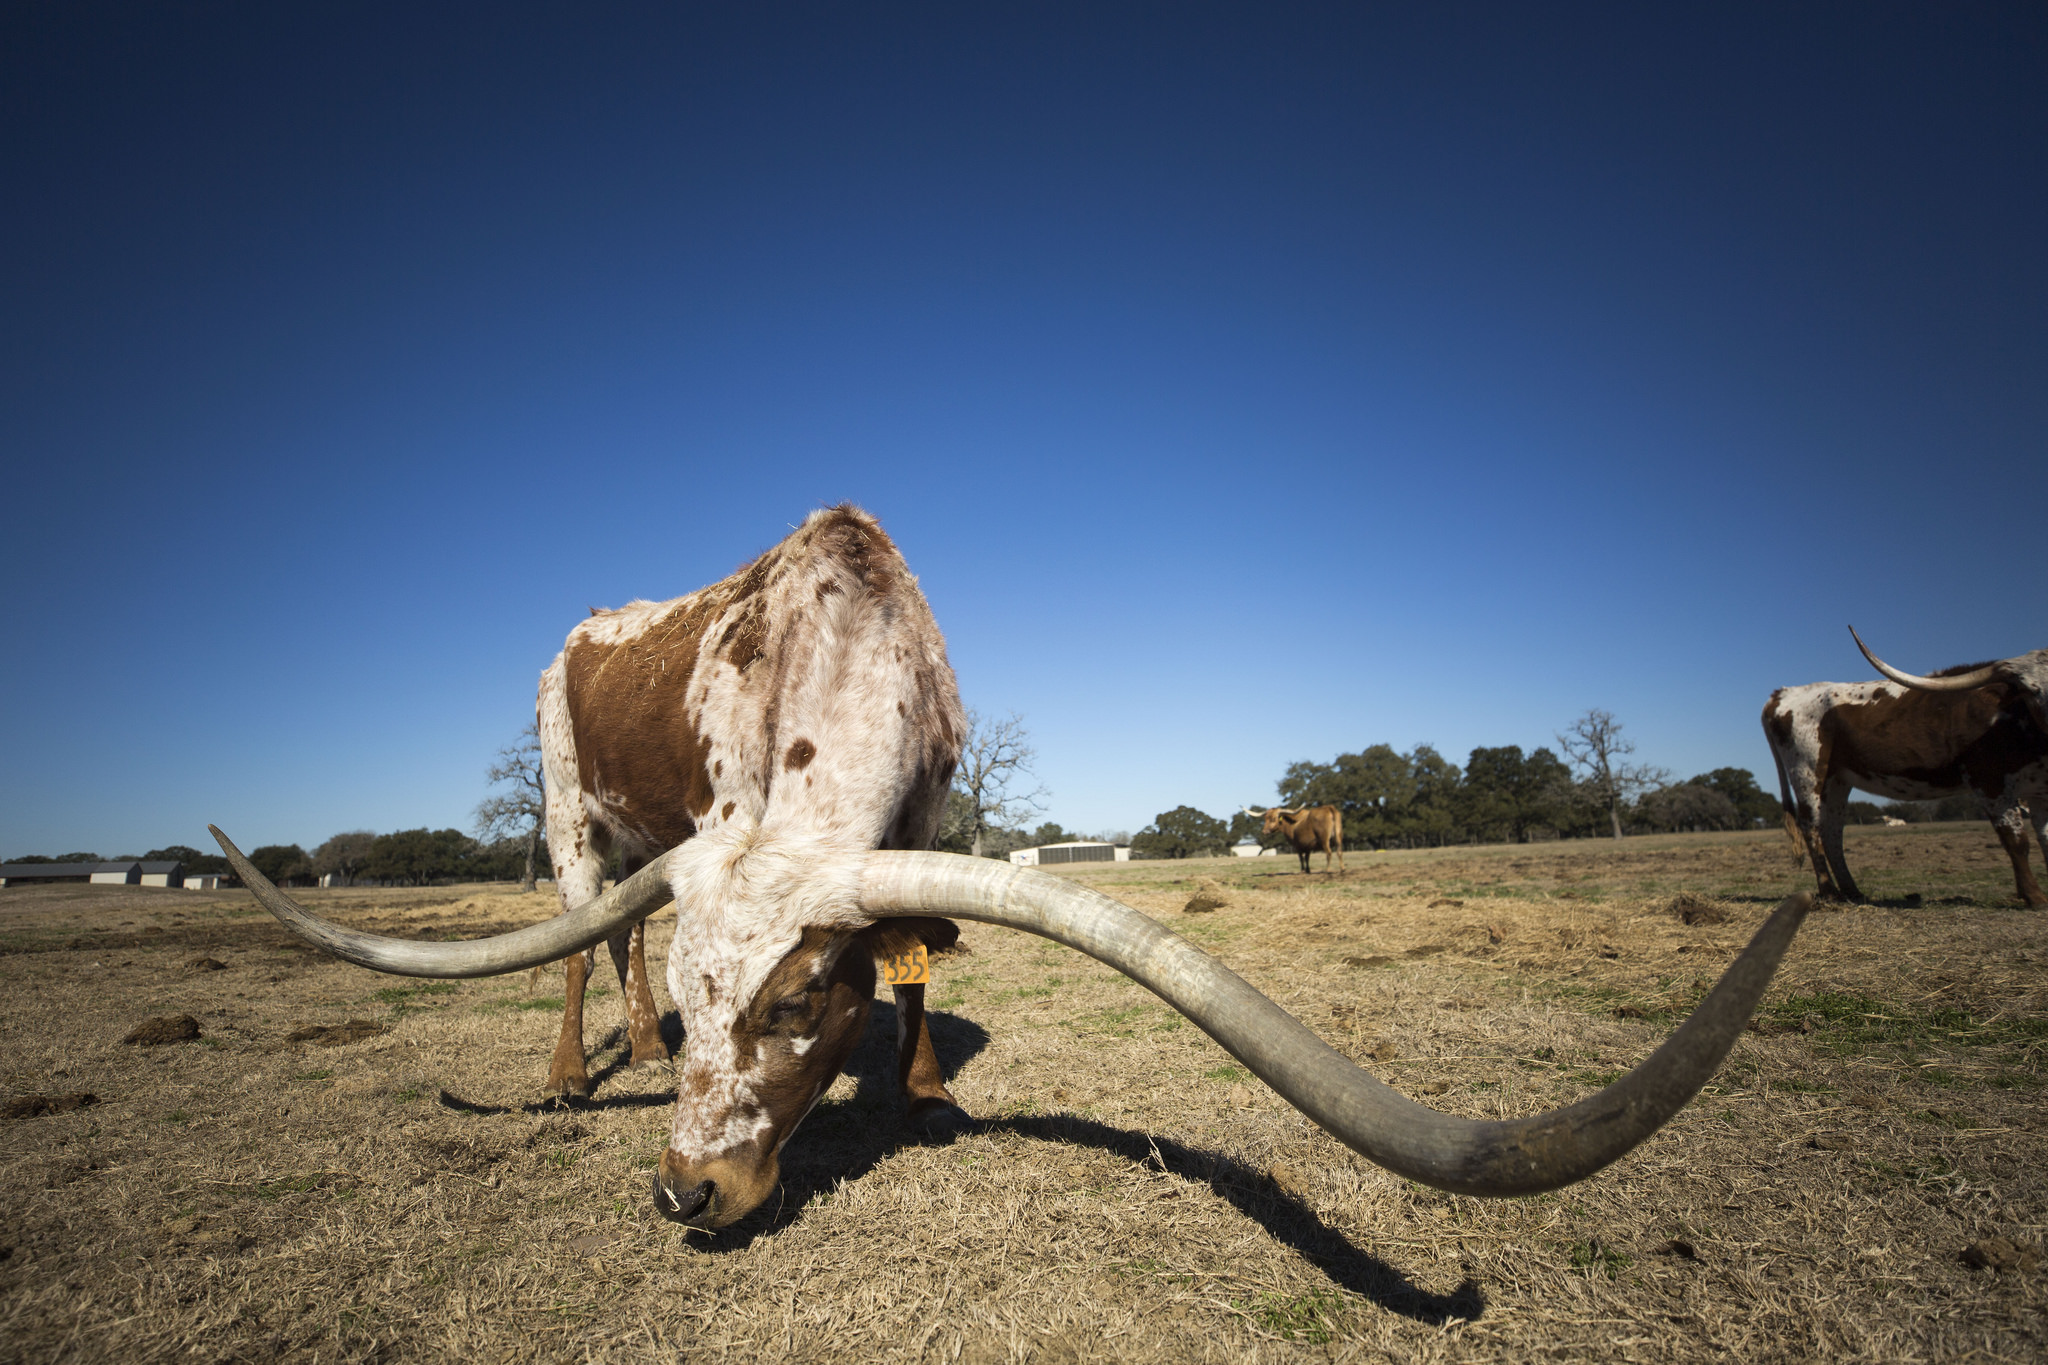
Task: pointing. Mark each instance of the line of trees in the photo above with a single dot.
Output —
(406, 857)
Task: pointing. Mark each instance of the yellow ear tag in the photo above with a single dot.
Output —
(913, 968)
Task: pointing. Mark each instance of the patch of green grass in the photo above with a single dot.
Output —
(1314, 1317)
(177, 1116)
(1227, 1074)
(1849, 1025)
(397, 995)
(322, 1074)
(1127, 1021)
(1592, 1257)
(2014, 1080)
(407, 1095)
(561, 1158)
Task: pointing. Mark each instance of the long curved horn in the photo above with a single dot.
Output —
(594, 921)
(1962, 682)
(1465, 1156)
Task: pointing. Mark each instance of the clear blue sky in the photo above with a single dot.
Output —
(1245, 384)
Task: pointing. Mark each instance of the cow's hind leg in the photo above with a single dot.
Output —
(2011, 824)
(1834, 808)
(927, 1104)
(2037, 813)
(643, 1020)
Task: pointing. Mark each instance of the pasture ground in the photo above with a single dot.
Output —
(1131, 1194)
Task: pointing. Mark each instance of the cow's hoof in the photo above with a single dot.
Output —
(937, 1120)
(650, 1058)
(567, 1088)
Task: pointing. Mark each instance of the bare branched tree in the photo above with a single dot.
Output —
(995, 761)
(522, 805)
(343, 856)
(1595, 747)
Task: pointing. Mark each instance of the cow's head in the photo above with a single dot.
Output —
(761, 1047)
(1278, 819)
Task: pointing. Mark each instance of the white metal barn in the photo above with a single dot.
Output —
(1090, 851)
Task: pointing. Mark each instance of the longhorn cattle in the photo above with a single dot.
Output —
(1979, 729)
(792, 731)
(1309, 829)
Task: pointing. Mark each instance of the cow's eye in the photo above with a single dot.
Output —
(790, 1009)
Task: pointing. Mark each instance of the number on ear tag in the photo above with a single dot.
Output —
(913, 968)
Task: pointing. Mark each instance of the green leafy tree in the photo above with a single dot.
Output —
(1182, 832)
(1687, 806)
(1753, 805)
(284, 864)
(1438, 783)
(192, 858)
(420, 856)
(1507, 794)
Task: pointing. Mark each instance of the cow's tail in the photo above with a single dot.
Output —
(1790, 812)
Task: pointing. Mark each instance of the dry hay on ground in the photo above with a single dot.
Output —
(1133, 1195)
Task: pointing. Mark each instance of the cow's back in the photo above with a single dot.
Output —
(813, 683)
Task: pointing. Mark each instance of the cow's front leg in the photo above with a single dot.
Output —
(926, 1101)
(643, 1021)
(567, 1075)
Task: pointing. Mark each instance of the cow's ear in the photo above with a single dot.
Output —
(891, 937)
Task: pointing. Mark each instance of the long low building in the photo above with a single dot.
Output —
(120, 872)
(1088, 851)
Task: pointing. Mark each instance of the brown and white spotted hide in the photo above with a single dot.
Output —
(777, 725)
(1309, 830)
(1906, 744)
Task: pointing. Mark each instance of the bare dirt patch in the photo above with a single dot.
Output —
(1130, 1194)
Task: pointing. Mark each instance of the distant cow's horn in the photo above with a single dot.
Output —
(1465, 1156)
(594, 921)
(1961, 682)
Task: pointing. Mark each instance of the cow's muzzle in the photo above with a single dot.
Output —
(691, 1205)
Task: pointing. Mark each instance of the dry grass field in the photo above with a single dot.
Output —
(395, 1190)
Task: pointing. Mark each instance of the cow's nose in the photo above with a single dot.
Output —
(681, 1206)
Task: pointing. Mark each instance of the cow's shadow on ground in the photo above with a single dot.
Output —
(845, 1139)
(1254, 1194)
